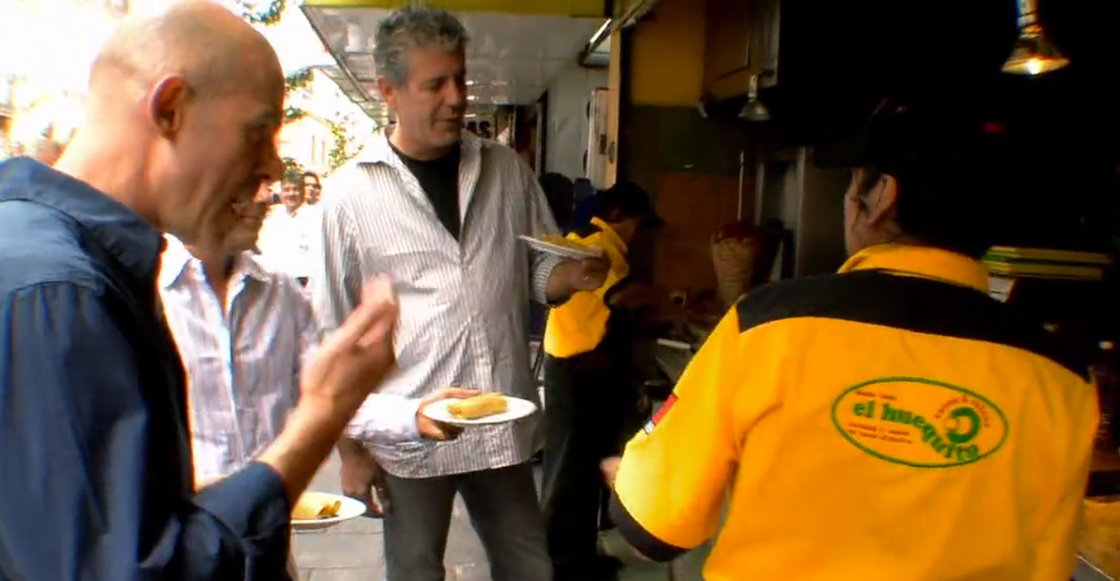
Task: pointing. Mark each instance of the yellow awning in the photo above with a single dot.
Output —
(577, 8)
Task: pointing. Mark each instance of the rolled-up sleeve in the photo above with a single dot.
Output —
(385, 419)
(82, 492)
(336, 290)
(336, 277)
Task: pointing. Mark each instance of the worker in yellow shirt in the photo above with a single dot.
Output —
(589, 392)
(889, 422)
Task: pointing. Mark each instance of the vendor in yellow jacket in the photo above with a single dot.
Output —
(589, 391)
(889, 422)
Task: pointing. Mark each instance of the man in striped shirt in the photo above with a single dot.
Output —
(439, 211)
(244, 333)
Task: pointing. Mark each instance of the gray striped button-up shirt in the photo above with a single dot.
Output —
(242, 357)
(464, 304)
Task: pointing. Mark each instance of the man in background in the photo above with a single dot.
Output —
(312, 188)
(245, 335)
(289, 237)
(439, 210)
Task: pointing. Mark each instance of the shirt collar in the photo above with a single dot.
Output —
(135, 243)
(609, 233)
(379, 151)
(921, 261)
(176, 258)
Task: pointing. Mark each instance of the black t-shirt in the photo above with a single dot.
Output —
(439, 178)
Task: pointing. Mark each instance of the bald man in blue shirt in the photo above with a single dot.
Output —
(95, 463)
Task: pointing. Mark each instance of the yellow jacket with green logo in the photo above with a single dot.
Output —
(579, 325)
(890, 422)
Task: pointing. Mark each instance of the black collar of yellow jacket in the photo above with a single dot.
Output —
(911, 288)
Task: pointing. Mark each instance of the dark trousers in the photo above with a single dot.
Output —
(588, 400)
(503, 511)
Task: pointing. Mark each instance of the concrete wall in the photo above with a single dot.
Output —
(309, 142)
(566, 132)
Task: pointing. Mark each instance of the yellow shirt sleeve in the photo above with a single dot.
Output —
(674, 475)
(578, 325)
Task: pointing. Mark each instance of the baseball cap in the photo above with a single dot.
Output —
(908, 139)
(631, 200)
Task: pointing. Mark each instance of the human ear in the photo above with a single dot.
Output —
(880, 203)
(166, 103)
(388, 92)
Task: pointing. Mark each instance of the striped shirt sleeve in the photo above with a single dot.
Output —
(541, 223)
(309, 336)
(336, 275)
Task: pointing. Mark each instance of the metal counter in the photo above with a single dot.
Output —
(1085, 571)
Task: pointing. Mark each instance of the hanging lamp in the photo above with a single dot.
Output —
(754, 109)
(1033, 53)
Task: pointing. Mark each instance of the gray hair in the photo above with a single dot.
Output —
(414, 27)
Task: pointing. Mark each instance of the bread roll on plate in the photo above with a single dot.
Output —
(479, 406)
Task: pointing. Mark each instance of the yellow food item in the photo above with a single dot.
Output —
(311, 508)
(566, 243)
(479, 406)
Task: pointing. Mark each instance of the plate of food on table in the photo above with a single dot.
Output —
(319, 510)
(487, 408)
(561, 246)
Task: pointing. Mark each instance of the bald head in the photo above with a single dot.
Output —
(207, 45)
(181, 120)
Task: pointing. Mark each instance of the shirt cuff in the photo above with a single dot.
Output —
(385, 419)
(542, 271)
(253, 506)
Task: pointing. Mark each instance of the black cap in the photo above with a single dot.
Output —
(631, 200)
(953, 165)
(905, 139)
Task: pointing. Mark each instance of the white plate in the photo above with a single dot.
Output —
(350, 509)
(543, 246)
(518, 408)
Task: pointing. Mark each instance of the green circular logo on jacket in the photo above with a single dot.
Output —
(919, 422)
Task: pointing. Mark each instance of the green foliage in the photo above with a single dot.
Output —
(293, 114)
(343, 149)
(252, 12)
(297, 79)
(291, 166)
(293, 82)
